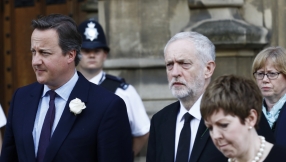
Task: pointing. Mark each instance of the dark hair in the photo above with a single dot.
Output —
(69, 37)
(234, 95)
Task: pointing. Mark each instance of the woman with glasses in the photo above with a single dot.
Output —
(269, 72)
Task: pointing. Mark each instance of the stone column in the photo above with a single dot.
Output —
(222, 23)
(137, 32)
(279, 23)
(91, 8)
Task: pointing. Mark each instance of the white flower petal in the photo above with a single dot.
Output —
(76, 106)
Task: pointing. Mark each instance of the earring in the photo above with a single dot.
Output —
(250, 127)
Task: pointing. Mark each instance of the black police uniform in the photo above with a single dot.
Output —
(112, 83)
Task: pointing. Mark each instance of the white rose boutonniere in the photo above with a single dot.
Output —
(76, 106)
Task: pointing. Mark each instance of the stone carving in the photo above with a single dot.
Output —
(220, 20)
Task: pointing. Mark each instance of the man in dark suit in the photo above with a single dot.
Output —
(64, 117)
(177, 132)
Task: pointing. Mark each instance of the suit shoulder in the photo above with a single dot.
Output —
(172, 108)
(101, 93)
(114, 78)
(99, 90)
(29, 87)
(117, 80)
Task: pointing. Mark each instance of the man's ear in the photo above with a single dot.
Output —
(252, 118)
(209, 69)
(71, 56)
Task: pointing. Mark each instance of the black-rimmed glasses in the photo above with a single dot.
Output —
(271, 75)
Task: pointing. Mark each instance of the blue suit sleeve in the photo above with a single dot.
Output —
(114, 134)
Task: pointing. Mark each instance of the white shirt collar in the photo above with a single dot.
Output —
(194, 110)
(97, 78)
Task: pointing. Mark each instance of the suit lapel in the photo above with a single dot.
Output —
(265, 130)
(280, 131)
(31, 108)
(67, 119)
(169, 132)
(200, 141)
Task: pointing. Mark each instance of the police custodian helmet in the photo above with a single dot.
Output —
(92, 35)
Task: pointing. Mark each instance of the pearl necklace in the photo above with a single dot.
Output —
(259, 153)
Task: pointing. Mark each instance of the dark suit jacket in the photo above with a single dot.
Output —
(279, 135)
(100, 133)
(276, 154)
(161, 145)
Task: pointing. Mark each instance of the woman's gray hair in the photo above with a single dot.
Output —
(204, 47)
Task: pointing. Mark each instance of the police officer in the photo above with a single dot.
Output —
(93, 54)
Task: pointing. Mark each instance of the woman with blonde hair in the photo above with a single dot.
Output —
(269, 72)
(231, 108)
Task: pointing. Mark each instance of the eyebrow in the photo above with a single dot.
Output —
(180, 60)
(169, 61)
(269, 70)
(220, 120)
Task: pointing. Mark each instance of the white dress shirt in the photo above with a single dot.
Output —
(62, 96)
(195, 122)
(138, 118)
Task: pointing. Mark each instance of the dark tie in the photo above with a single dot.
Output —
(47, 128)
(184, 140)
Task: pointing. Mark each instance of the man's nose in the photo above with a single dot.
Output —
(176, 71)
(36, 60)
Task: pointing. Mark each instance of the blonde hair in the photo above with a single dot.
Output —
(276, 54)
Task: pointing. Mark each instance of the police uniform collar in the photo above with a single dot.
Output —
(98, 78)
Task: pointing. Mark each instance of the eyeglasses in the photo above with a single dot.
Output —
(271, 75)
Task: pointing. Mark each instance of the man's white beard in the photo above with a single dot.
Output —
(187, 89)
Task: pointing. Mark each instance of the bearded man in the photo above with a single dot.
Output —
(177, 132)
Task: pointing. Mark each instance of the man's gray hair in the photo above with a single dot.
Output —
(204, 47)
